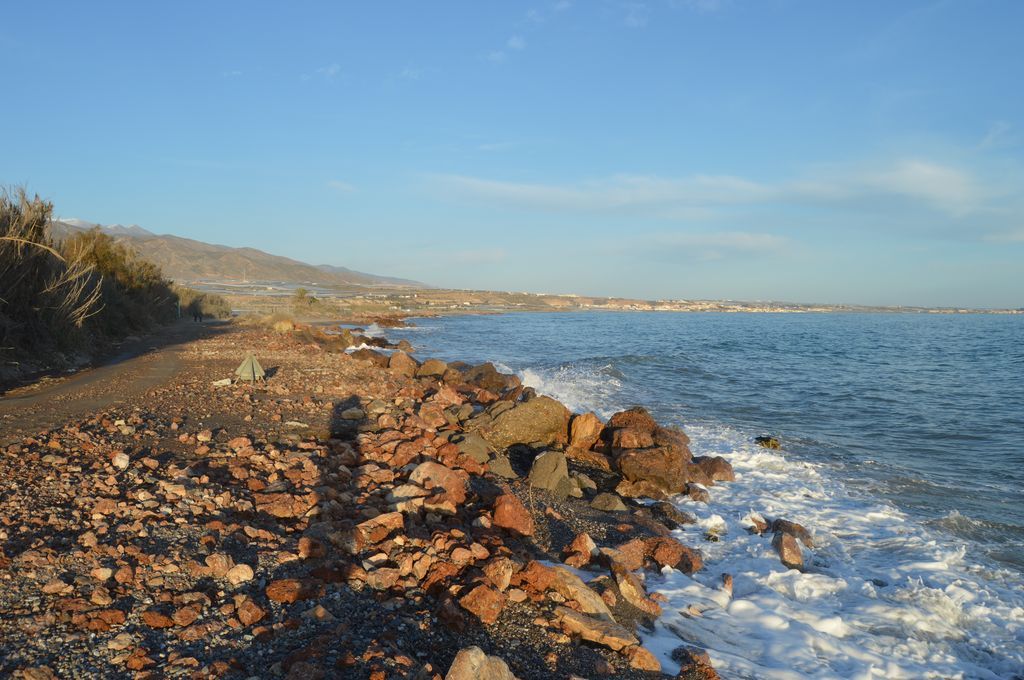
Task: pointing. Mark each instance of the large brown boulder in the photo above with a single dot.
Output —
(487, 377)
(664, 466)
(511, 514)
(716, 468)
(403, 364)
(540, 420)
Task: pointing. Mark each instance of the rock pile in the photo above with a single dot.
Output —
(363, 516)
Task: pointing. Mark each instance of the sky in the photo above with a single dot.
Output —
(841, 152)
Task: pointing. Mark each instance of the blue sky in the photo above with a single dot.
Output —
(866, 152)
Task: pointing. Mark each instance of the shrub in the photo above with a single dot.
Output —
(46, 296)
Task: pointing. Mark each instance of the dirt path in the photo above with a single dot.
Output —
(140, 366)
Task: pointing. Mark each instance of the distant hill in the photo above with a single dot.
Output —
(188, 261)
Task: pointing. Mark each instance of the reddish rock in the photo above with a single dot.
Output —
(310, 548)
(248, 612)
(585, 431)
(668, 552)
(716, 468)
(536, 577)
(285, 505)
(795, 530)
(633, 591)
(642, 659)
(484, 602)
(694, 664)
(288, 590)
(579, 553)
(663, 466)
(156, 619)
(788, 549)
(511, 514)
(499, 572)
(403, 364)
(636, 417)
(631, 438)
(446, 484)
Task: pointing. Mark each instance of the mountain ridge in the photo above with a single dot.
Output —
(189, 261)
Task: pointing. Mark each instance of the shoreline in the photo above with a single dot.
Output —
(358, 510)
(340, 529)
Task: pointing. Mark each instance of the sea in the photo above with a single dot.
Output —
(902, 452)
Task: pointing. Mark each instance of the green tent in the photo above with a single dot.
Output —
(250, 370)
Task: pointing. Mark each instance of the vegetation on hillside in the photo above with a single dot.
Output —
(71, 296)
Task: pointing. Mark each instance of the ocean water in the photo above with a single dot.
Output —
(903, 453)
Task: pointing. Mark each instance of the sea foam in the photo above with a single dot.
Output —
(881, 596)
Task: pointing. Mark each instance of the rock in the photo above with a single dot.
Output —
(694, 664)
(238, 574)
(585, 431)
(288, 590)
(671, 515)
(716, 468)
(768, 442)
(540, 420)
(594, 459)
(668, 552)
(354, 413)
(631, 438)
(642, 659)
(403, 364)
(484, 602)
(788, 549)
(698, 493)
(663, 466)
(219, 564)
(551, 472)
(592, 629)
(248, 612)
(448, 486)
(511, 514)
(120, 460)
(795, 530)
(407, 497)
(579, 553)
(156, 619)
(488, 378)
(632, 590)
(571, 587)
(640, 489)
(636, 417)
(371, 356)
(474, 446)
(499, 572)
(500, 465)
(375, 530)
(472, 664)
(431, 368)
(608, 502)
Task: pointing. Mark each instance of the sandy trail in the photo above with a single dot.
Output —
(138, 367)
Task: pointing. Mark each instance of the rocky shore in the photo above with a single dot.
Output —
(361, 515)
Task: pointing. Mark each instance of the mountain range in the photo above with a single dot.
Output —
(188, 261)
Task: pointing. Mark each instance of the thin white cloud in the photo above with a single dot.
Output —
(921, 183)
(516, 42)
(341, 187)
(497, 56)
(999, 135)
(327, 72)
(947, 188)
(1011, 236)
